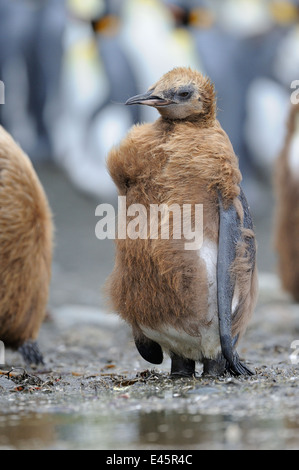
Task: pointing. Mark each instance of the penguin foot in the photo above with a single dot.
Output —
(236, 368)
(31, 353)
(181, 367)
(219, 366)
(214, 367)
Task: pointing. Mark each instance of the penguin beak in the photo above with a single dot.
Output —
(148, 99)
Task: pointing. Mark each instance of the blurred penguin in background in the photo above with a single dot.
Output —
(156, 40)
(110, 120)
(30, 65)
(120, 73)
(268, 98)
(96, 73)
(287, 215)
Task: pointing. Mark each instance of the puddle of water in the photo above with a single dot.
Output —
(141, 430)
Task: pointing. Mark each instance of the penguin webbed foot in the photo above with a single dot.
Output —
(181, 367)
(31, 353)
(237, 368)
(214, 367)
(220, 366)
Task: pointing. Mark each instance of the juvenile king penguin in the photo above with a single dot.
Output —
(287, 215)
(25, 251)
(193, 305)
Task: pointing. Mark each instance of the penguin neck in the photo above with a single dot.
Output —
(199, 120)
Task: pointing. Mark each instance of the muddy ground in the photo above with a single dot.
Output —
(95, 392)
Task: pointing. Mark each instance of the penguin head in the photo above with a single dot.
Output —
(181, 94)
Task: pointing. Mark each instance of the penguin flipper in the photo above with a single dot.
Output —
(149, 350)
(229, 235)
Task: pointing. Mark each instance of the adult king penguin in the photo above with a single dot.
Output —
(195, 306)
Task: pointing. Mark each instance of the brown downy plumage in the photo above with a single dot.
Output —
(167, 293)
(287, 214)
(25, 250)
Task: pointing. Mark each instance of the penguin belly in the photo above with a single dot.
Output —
(205, 343)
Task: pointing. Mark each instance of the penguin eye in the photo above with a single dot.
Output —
(184, 94)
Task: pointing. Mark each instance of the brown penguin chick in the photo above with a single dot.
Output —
(287, 211)
(194, 303)
(25, 250)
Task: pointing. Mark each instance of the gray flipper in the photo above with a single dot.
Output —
(148, 349)
(229, 236)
